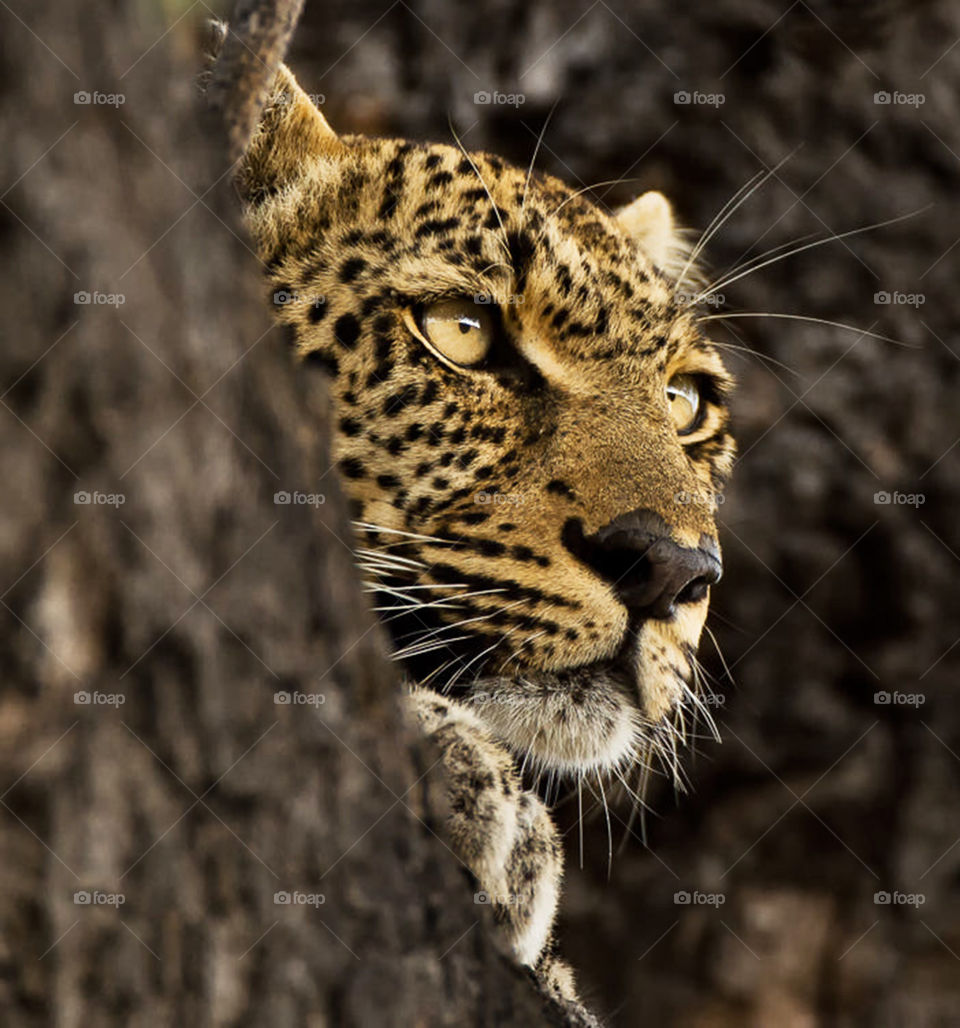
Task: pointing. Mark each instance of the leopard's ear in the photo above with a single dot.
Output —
(292, 137)
(649, 221)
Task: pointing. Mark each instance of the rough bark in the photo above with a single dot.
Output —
(187, 604)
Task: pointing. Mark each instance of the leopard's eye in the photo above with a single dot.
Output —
(459, 330)
(683, 396)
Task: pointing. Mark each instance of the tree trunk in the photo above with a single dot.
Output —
(213, 813)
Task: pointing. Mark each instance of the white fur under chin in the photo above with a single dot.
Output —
(596, 718)
(588, 726)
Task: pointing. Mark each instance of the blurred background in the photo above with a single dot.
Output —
(811, 875)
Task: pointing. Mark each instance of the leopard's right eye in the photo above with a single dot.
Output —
(460, 332)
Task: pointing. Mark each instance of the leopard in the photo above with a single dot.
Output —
(532, 431)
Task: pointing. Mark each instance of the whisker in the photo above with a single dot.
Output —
(723, 283)
(723, 661)
(751, 352)
(486, 188)
(728, 209)
(533, 159)
(815, 321)
(372, 527)
(580, 192)
(606, 812)
(580, 814)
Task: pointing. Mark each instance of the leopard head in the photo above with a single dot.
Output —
(530, 427)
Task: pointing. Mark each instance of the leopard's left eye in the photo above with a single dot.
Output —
(459, 330)
(683, 397)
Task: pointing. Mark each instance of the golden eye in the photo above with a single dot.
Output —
(683, 396)
(460, 331)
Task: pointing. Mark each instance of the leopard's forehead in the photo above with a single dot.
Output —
(433, 220)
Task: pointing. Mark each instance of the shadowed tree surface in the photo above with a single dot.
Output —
(213, 813)
(199, 598)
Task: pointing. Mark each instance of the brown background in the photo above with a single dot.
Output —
(818, 797)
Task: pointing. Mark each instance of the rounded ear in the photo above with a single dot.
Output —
(292, 133)
(648, 220)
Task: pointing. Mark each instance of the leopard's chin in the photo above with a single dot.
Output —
(599, 717)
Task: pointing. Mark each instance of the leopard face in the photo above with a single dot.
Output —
(531, 430)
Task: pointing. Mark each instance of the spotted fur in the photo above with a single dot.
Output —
(471, 487)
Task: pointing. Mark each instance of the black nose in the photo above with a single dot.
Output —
(651, 573)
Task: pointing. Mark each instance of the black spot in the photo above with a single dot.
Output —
(474, 518)
(435, 227)
(383, 323)
(397, 401)
(435, 433)
(352, 468)
(559, 488)
(351, 268)
(326, 361)
(429, 393)
(490, 548)
(426, 208)
(388, 481)
(347, 331)
(350, 426)
(388, 207)
(371, 304)
(521, 252)
(441, 178)
(414, 431)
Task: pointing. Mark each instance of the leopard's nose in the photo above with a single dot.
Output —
(651, 573)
